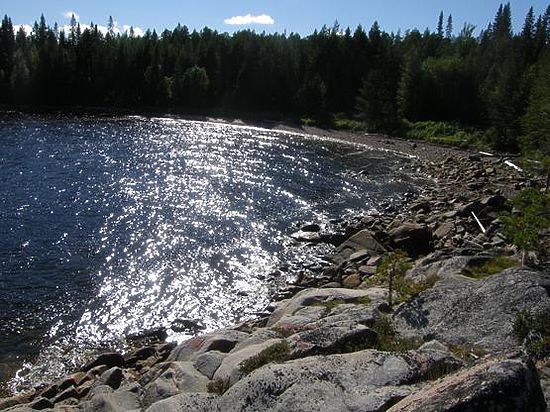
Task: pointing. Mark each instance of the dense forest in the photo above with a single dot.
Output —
(496, 83)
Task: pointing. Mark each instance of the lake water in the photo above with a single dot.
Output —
(114, 226)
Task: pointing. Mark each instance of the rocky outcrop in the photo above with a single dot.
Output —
(496, 385)
(464, 311)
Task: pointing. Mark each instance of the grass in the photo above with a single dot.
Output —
(388, 340)
(441, 133)
(218, 386)
(533, 330)
(406, 288)
(340, 122)
(489, 268)
(278, 352)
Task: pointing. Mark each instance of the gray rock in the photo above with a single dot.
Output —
(495, 385)
(340, 337)
(176, 377)
(359, 255)
(363, 240)
(208, 363)
(196, 402)
(230, 368)
(310, 297)
(122, 400)
(111, 377)
(358, 381)
(464, 311)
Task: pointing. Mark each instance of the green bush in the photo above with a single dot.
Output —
(278, 352)
(388, 340)
(533, 330)
(441, 133)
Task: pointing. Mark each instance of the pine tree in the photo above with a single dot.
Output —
(440, 25)
(449, 28)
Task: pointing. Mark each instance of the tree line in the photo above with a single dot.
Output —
(496, 81)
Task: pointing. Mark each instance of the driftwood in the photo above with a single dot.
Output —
(483, 230)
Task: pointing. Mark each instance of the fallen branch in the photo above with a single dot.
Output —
(479, 223)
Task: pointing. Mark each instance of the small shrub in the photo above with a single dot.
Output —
(218, 386)
(442, 133)
(307, 121)
(278, 352)
(533, 330)
(491, 267)
(388, 340)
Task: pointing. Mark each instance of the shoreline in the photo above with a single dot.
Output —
(475, 183)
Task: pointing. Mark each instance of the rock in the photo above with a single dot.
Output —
(463, 311)
(352, 281)
(11, 401)
(359, 255)
(230, 368)
(107, 359)
(176, 377)
(41, 403)
(339, 337)
(111, 377)
(444, 230)
(311, 227)
(186, 325)
(310, 297)
(494, 385)
(367, 270)
(66, 394)
(434, 345)
(196, 402)
(412, 238)
(363, 240)
(360, 381)
(122, 400)
(208, 363)
(303, 236)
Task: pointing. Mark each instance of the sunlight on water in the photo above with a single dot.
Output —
(119, 226)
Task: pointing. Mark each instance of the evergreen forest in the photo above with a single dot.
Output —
(489, 83)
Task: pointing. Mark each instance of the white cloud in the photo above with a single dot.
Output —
(249, 19)
(26, 27)
(70, 14)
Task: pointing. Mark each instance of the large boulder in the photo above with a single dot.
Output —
(361, 381)
(413, 238)
(363, 241)
(495, 385)
(464, 311)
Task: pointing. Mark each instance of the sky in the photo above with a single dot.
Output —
(298, 16)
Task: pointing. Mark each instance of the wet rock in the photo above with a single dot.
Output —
(66, 394)
(312, 227)
(495, 385)
(465, 311)
(187, 325)
(303, 236)
(107, 359)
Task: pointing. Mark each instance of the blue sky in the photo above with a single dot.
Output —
(301, 16)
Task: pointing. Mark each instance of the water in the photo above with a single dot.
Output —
(114, 226)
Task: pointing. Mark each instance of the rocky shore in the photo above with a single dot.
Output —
(331, 342)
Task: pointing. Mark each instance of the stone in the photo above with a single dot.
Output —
(41, 404)
(359, 255)
(303, 236)
(186, 325)
(363, 240)
(367, 270)
(434, 345)
(494, 385)
(352, 281)
(208, 363)
(66, 394)
(334, 338)
(176, 377)
(230, 368)
(462, 311)
(444, 230)
(309, 297)
(122, 400)
(108, 359)
(184, 402)
(311, 227)
(413, 238)
(359, 381)
(111, 377)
